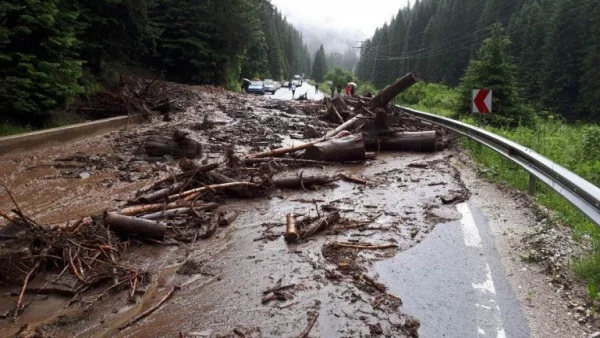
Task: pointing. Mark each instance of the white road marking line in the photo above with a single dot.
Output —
(488, 284)
(470, 233)
(473, 239)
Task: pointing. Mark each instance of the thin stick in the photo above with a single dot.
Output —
(363, 246)
(150, 310)
(212, 188)
(20, 300)
(311, 323)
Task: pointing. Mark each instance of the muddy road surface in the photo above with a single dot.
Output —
(412, 254)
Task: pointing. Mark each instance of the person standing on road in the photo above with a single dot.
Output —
(332, 91)
(317, 87)
(352, 90)
(293, 90)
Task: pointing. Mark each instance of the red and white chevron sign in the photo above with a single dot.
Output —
(482, 101)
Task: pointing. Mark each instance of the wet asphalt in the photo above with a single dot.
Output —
(454, 282)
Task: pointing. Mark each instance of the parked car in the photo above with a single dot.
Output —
(269, 86)
(256, 87)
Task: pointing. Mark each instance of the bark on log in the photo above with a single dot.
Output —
(297, 182)
(347, 149)
(162, 193)
(178, 146)
(406, 141)
(344, 126)
(291, 233)
(386, 95)
(322, 225)
(127, 225)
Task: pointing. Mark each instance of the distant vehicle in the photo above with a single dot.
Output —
(277, 85)
(286, 84)
(297, 81)
(269, 86)
(256, 87)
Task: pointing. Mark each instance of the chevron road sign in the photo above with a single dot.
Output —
(482, 101)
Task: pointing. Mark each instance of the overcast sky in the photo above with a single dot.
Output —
(357, 17)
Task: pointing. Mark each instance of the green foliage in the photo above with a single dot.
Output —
(493, 69)
(319, 65)
(38, 61)
(556, 48)
(339, 77)
(366, 88)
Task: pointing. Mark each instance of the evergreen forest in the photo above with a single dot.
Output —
(548, 56)
(52, 51)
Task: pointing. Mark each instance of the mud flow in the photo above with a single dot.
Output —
(85, 255)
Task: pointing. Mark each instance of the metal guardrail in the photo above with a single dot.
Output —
(581, 193)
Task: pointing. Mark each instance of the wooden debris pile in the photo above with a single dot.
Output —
(365, 125)
(80, 256)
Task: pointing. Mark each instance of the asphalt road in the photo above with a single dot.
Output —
(454, 282)
(286, 94)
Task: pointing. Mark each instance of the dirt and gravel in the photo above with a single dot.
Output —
(245, 280)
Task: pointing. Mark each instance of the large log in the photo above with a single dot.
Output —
(178, 146)
(301, 146)
(300, 181)
(405, 141)
(127, 225)
(347, 149)
(386, 95)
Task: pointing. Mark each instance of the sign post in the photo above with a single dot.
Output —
(482, 104)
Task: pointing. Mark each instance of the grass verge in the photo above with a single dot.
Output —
(574, 146)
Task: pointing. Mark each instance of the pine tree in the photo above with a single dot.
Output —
(563, 58)
(590, 80)
(319, 65)
(38, 60)
(493, 69)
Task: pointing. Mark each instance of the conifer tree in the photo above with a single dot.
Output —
(39, 68)
(492, 68)
(319, 65)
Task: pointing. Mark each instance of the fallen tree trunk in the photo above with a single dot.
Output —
(347, 149)
(344, 126)
(297, 182)
(406, 141)
(127, 225)
(302, 146)
(322, 225)
(387, 94)
(178, 146)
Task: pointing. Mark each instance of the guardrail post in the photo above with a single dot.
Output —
(532, 184)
